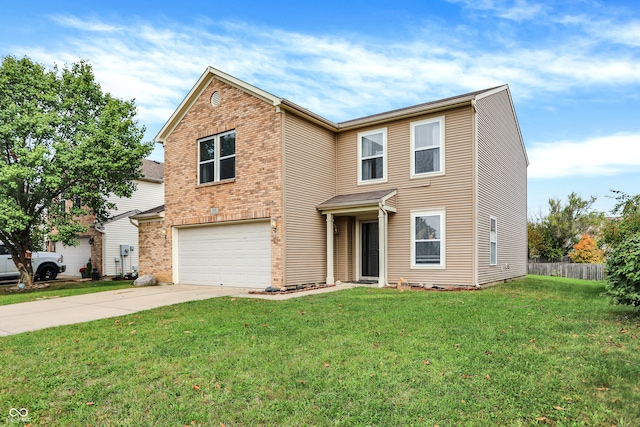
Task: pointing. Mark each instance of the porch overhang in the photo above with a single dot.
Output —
(382, 202)
(359, 202)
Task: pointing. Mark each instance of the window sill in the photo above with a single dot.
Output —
(427, 175)
(215, 183)
(428, 267)
(372, 181)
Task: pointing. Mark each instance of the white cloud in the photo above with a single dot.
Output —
(518, 10)
(521, 10)
(607, 155)
(338, 77)
(84, 24)
(621, 33)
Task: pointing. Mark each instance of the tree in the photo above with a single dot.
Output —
(60, 137)
(626, 221)
(622, 237)
(586, 251)
(623, 272)
(555, 234)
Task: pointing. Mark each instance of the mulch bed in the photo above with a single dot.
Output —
(401, 288)
(290, 291)
(409, 287)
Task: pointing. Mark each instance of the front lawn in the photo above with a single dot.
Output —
(539, 351)
(58, 289)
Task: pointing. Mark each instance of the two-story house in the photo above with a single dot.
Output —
(104, 242)
(262, 192)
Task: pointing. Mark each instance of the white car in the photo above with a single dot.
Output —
(46, 265)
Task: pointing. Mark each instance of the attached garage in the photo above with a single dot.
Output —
(235, 255)
(75, 257)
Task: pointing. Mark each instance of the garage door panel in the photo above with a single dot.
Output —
(227, 255)
(75, 257)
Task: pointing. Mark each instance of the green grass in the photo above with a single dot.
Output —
(58, 289)
(538, 351)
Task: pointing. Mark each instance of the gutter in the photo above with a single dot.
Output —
(317, 119)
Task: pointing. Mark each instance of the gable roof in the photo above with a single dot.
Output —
(150, 214)
(205, 79)
(281, 103)
(152, 171)
(414, 110)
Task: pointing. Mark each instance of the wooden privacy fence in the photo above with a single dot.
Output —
(568, 270)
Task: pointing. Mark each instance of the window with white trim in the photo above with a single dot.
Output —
(217, 157)
(427, 147)
(372, 156)
(493, 241)
(428, 239)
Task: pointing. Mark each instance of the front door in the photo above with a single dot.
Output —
(370, 249)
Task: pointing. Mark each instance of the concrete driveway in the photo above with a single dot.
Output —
(31, 316)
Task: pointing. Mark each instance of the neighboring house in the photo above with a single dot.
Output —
(102, 243)
(262, 192)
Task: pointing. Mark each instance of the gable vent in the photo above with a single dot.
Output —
(215, 99)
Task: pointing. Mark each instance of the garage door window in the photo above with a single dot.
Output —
(217, 157)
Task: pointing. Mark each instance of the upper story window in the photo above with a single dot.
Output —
(427, 147)
(372, 156)
(217, 157)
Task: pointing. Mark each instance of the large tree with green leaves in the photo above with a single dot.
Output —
(626, 220)
(61, 136)
(622, 237)
(554, 234)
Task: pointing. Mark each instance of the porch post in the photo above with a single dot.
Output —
(382, 248)
(330, 278)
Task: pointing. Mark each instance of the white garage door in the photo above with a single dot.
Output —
(75, 256)
(237, 255)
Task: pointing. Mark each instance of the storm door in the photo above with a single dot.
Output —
(370, 250)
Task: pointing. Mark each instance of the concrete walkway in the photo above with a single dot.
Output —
(35, 315)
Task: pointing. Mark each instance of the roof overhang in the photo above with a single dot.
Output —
(358, 202)
(156, 213)
(283, 104)
(420, 109)
(203, 82)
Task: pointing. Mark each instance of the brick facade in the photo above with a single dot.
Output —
(155, 243)
(254, 193)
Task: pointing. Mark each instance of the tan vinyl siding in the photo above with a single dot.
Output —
(452, 192)
(502, 189)
(309, 167)
(344, 244)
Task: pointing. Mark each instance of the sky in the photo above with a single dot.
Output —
(573, 67)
